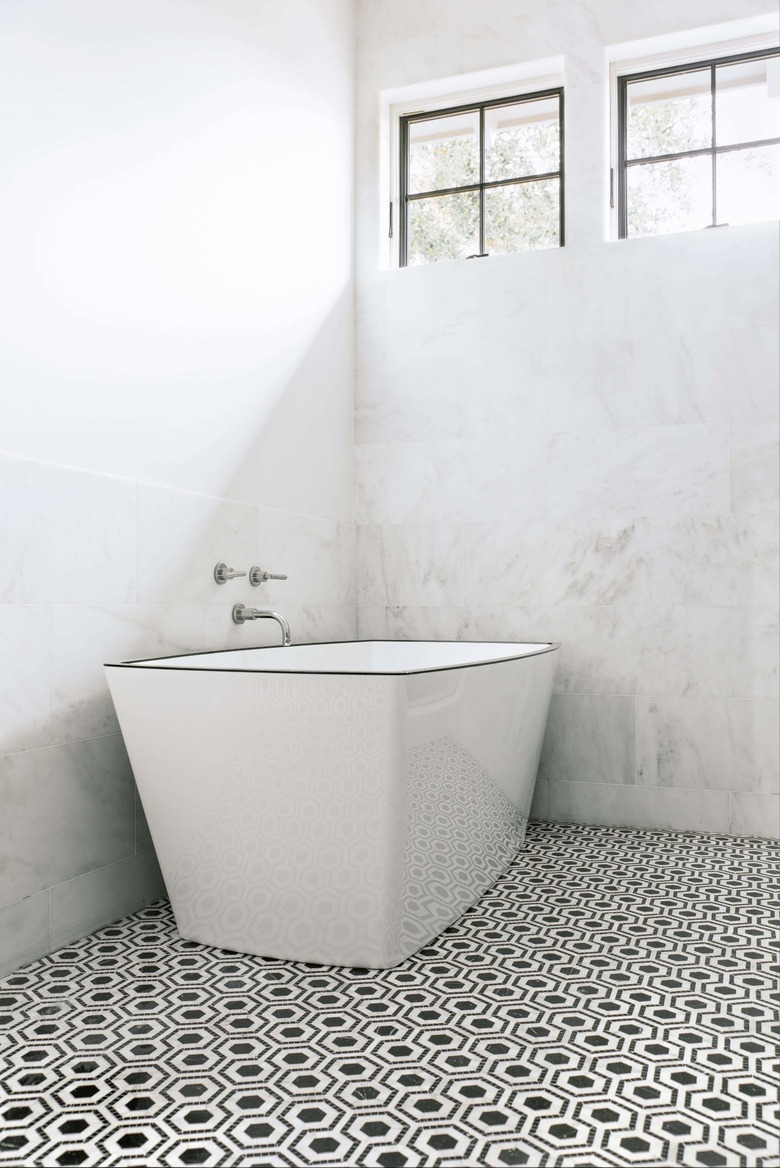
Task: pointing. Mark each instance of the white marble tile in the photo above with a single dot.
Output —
(317, 555)
(755, 653)
(503, 622)
(753, 289)
(667, 470)
(755, 815)
(755, 468)
(410, 564)
(472, 623)
(678, 287)
(587, 304)
(403, 400)
(589, 739)
(584, 561)
(683, 652)
(424, 624)
(502, 476)
(409, 482)
(585, 386)
(707, 377)
(504, 394)
(371, 622)
(98, 898)
(67, 809)
(658, 808)
(25, 677)
(721, 560)
(85, 637)
(599, 649)
(717, 743)
(181, 537)
(65, 536)
(24, 931)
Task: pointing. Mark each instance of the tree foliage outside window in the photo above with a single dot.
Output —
(520, 192)
(722, 128)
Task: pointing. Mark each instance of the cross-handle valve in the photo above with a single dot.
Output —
(258, 576)
(222, 573)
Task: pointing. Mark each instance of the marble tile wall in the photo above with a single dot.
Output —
(94, 568)
(580, 445)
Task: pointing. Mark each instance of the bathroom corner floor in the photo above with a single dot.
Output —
(610, 1001)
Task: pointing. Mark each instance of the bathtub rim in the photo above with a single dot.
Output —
(148, 662)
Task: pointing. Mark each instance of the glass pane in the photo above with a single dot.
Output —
(444, 152)
(521, 139)
(669, 114)
(749, 185)
(744, 109)
(669, 196)
(443, 228)
(522, 217)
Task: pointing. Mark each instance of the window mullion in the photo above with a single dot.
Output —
(482, 180)
(713, 143)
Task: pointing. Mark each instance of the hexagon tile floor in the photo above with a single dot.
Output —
(608, 1002)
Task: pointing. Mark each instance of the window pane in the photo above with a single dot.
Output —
(443, 228)
(745, 112)
(749, 185)
(669, 114)
(669, 196)
(444, 152)
(522, 217)
(521, 139)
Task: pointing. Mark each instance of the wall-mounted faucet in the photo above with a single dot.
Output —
(259, 576)
(241, 614)
(222, 573)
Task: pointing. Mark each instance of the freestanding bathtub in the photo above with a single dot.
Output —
(337, 803)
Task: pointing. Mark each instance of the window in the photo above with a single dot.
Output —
(699, 145)
(482, 179)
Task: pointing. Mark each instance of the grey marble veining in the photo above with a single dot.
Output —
(668, 470)
(755, 467)
(410, 564)
(181, 536)
(755, 652)
(713, 560)
(85, 637)
(589, 739)
(467, 623)
(718, 376)
(588, 561)
(67, 809)
(717, 743)
(316, 554)
(584, 386)
(683, 651)
(627, 805)
(25, 677)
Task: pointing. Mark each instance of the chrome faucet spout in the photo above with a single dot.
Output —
(241, 614)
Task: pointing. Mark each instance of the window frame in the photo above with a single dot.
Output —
(712, 64)
(478, 105)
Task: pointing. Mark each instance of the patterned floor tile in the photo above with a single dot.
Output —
(612, 1000)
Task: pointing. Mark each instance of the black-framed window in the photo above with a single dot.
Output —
(699, 145)
(484, 178)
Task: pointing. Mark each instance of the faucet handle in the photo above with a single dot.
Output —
(258, 576)
(222, 573)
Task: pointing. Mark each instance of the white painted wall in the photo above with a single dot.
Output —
(580, 444)
(176, 353)
(175, 222)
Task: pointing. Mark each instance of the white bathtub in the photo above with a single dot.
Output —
(338, 803)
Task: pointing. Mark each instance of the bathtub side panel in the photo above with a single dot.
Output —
(473, 742)
(276, 806)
